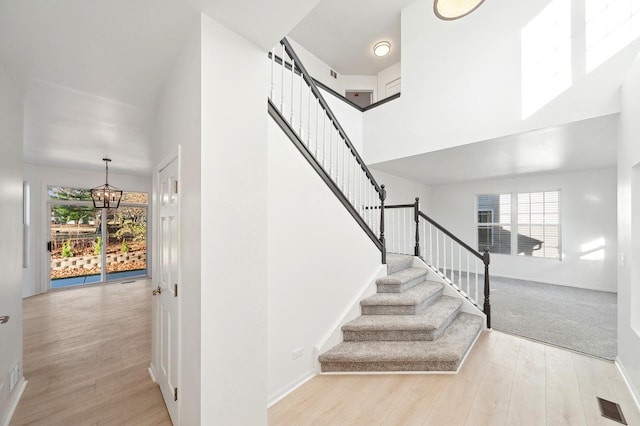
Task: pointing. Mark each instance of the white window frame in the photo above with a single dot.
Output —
(514, 224)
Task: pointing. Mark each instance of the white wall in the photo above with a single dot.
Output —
(177, 121)
(319, 262)
(321, 72)
(234, 228)
(387, 75)
(461, 81)
(288, 101)
(11, 124)
(365, 83)
(403, 191)
(349, 118)
(629, 230)
(588, 206)
(36, 276)
(315, 66)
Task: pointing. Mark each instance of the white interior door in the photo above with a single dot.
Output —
(164, 363)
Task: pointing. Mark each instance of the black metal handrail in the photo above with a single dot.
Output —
(314, 89)
(485, 257)
(296, 67)
(329, 90)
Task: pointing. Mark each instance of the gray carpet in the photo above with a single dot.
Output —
(581, 320)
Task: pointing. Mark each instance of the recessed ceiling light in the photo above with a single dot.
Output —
(454, 9)
(382, 48)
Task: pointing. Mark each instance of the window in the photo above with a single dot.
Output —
(494, 223)
(536, 218)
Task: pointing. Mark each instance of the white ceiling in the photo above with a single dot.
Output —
(583, 145)
(91, 71)
(342, 34)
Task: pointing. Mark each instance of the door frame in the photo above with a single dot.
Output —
(155, 264)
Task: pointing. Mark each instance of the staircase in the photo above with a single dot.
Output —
(408, 325)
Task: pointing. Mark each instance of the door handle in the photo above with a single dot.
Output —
(157, 291)
(4, 319)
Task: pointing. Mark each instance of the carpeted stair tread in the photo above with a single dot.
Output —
(436, 316)
(398, 262)
(401, 280)
(443, 354)
(405, 303)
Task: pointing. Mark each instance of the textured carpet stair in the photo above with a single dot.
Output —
(400, 281)
(427, 325)
(408, 325)
(442, 354)
(406, 303)
(398, 262)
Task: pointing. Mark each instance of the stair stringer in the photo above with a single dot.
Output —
(351, 312)
(449, 290)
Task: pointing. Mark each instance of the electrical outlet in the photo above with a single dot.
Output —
(297, 353)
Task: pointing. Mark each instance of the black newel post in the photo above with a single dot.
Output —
(487, 303)
(383, 196)
(416, 217)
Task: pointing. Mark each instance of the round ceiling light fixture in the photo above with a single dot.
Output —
(382, 48)
(454, 9)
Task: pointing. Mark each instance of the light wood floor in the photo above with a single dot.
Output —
(506, 380)
(87, 352)
(86, 355)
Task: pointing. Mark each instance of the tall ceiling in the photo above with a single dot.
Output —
(91, 71)
(342, 34)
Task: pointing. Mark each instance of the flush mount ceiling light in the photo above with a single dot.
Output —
(106, 196)
(382, 48)
(454, 9)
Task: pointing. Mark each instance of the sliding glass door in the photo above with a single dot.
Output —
(127, 242)
(89, 245)
(75, 245)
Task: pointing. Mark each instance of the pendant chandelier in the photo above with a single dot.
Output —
(106, 196)
(454, 9)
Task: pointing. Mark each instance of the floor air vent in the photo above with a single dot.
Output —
(611, 410)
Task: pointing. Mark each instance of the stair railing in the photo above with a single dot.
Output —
(296, 104)
(410, 231)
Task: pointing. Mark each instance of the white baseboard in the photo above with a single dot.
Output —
(13, 405)
(152, 374)
(286, 390)
(634, 392)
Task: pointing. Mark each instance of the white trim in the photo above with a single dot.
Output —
(286, 390)
(635, 394)
(13, 405)
(176, 156)
(385, 373)
(151, 372)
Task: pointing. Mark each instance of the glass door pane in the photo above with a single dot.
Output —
(127, 242)
(76, 256)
